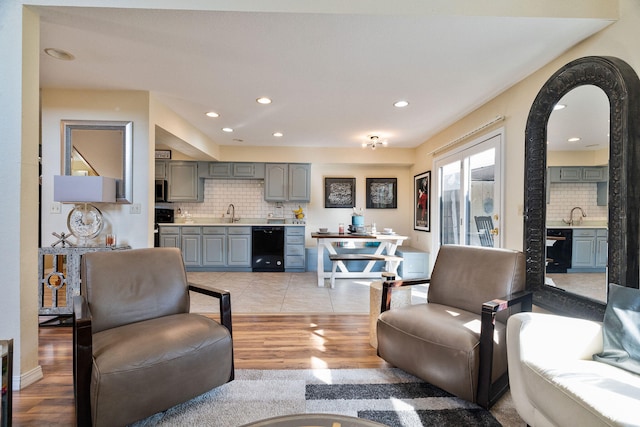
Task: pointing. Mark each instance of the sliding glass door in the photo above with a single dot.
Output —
(469, 187)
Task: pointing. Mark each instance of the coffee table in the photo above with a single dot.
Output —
(314, 420)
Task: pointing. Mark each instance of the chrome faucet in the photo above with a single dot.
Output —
(232, 210)
(571, 222)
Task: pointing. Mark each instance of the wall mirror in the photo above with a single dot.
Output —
(100, 148)
(619, 82)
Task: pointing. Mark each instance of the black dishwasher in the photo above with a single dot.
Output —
(267, 248)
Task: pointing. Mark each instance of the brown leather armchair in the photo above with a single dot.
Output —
(136, 348)
(456, 341)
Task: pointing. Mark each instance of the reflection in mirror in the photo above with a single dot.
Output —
(100, 148)
(576, 220)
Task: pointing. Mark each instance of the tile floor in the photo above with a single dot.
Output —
(286, 293)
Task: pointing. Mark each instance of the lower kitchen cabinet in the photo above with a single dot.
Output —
(210, 248)
(239, 253)
(294, 253)
(589, 250)
(214, 246)
(191, 245)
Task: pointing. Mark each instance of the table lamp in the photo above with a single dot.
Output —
(85, 220)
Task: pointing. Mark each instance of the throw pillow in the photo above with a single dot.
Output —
(621, 329)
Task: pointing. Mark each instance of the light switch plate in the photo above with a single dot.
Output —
(55, 208)
(135, 209)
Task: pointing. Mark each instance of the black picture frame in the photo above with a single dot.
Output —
(382, 193)
(339, 192)
(163, 154)
(421, 198)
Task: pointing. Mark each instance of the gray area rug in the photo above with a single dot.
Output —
(388, 396)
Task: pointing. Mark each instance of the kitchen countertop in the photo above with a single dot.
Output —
(199, 222)
(584, 224)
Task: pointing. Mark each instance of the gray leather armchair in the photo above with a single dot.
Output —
(136, 348)
(456, 341)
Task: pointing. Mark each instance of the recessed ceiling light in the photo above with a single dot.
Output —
(227, 130)
(59, 54)
(212, 114)
(574, 139)
(559, 107)
(263, 100)
(401, 104)
(278, 134)
(237, 140)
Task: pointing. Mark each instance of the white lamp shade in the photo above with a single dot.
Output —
(79, 189)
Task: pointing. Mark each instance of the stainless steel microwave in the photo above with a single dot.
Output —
(161, 190)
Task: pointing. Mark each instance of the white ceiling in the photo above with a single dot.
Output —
(333, 77)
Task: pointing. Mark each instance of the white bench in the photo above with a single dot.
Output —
(336, 259)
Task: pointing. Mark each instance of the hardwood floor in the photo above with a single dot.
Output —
(260, 342)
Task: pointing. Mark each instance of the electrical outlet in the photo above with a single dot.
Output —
(135, 209)
(55, 208)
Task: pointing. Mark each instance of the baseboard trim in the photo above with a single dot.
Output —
(28, 378)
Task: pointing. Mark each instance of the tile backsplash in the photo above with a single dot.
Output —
(247, 195)
(565, 196)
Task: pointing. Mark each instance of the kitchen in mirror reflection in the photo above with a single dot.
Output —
(577, 174)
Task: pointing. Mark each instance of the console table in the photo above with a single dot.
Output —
(59, 277)
(388, 244)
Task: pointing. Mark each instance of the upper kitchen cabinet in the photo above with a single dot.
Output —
(184, 182)
(578, 173)
(287, 182)
(161, 169)
(239, 170)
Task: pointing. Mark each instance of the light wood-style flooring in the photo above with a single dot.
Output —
(267, 341)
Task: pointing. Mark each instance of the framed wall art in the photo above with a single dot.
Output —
(421, 193)
(163, 154)
(339, 192)
(382, 193)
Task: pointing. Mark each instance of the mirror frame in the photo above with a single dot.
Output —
(124, 186)
(622, 86)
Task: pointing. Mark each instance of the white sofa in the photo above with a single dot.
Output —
(555, 382)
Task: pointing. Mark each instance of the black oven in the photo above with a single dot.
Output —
(162, 216)
(559, 249)
(267, 248)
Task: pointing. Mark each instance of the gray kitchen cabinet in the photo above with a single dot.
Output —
(191, 245)
(230, 170)
(169, 236)
(589, 250)
(294, 253)
(276, 177)
(299, 182)
(602, 248)
(184, 183)
(210, 248)
(598, 175)
(239, 240)
(161, 169)
(214, 246)
(578, 173)
(287, 182)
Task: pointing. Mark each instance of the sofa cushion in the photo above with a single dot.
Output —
(621, 329)
(583, 392)
(178, 351)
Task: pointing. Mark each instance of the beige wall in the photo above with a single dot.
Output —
(59, 104)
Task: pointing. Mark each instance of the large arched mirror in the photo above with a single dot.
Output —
(619, 82)
(100, 148)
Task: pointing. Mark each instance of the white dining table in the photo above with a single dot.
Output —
(388, 243)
